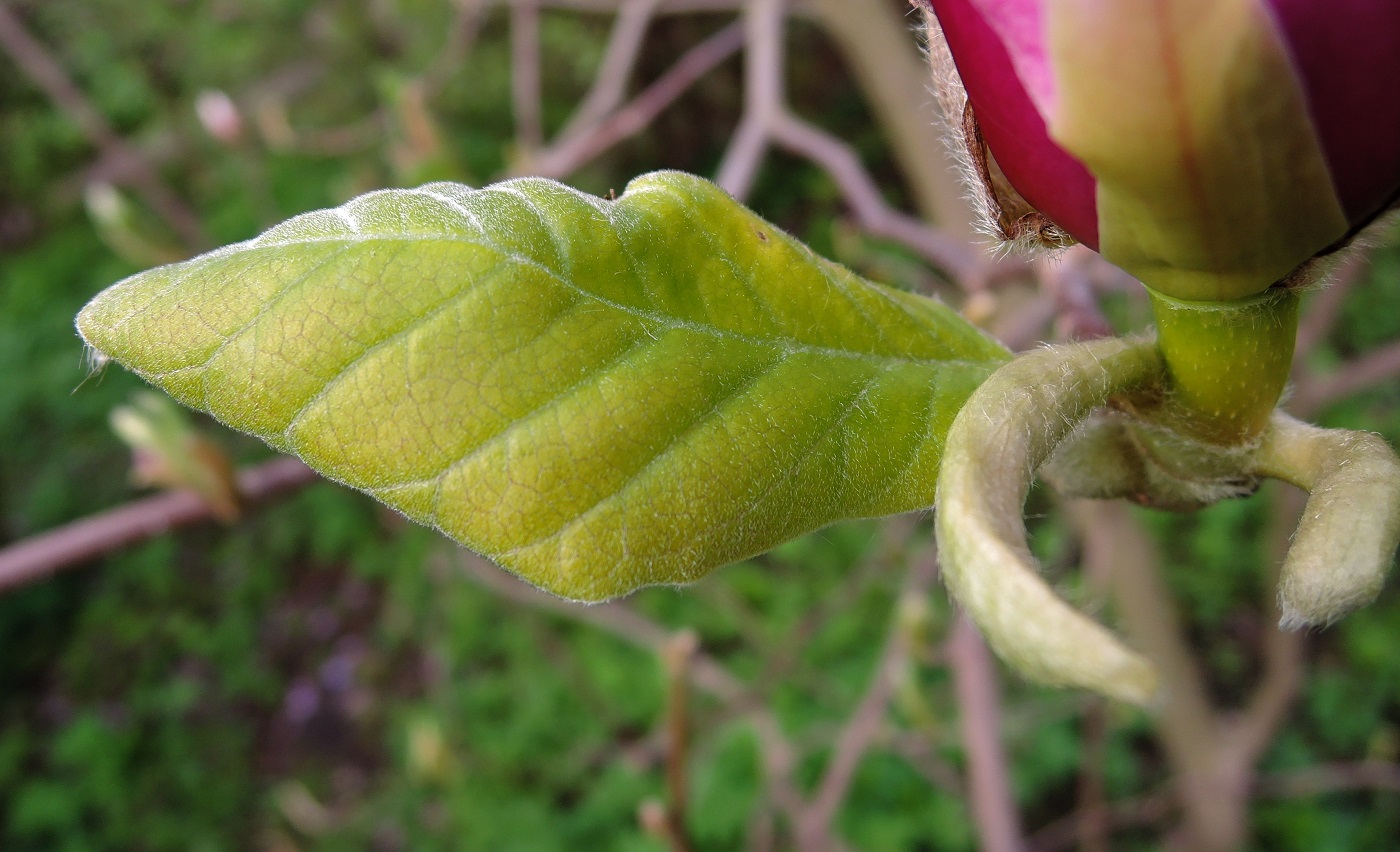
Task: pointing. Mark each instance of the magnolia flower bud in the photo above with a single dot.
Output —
(1208, 147)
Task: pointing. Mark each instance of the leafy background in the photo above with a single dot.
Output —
(325, 676)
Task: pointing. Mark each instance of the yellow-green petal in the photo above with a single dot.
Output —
(1212, 181)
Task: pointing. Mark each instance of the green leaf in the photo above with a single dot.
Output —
(599, 395)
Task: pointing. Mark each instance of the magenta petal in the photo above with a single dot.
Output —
(1347, 53)
(1020, 28)
(1054, 182)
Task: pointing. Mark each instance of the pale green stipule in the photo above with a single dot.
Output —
(1006, 430)
(1351, 523)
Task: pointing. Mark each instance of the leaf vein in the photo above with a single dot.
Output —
(407, 330)
(674, 443)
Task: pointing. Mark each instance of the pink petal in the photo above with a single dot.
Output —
(1050, 179)
(1020, 26)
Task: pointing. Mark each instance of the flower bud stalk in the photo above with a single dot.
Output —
(1227, 362)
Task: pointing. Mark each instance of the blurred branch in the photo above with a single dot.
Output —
(1249, 734)
(1213, 755)
(571, 152)
(612, 617)
(766, 119)
(461, 36)
(1093, 825)
(876, 44)
(39, 65)
(979, 717)
(921, 752)
(619, 60)
(1331, 778)
(360, 135)
(1019, 327)
(962, 261)
(599, 123)
(865, 723)
(1068, 278)
(629, 625)
(605, 7)
(890, 557)
(525, 75)
(1064, 833)
(763, 96)
(137, 521)
(1211, 791)
(1314, 392)
(161, 145)
(1321, 315)
(677, 655)
(1093, 828)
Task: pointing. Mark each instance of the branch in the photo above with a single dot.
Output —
(876, 44)
(1317, 392)
(979, 718)
(1331, 778)
(610, 84)
(569, 154)
(525, 74)
(763, 96)
(45, 72)
(677, 655)
(1252, 731)
(962, 261)
(1211, 793)
(627, 624)
(137, 521)
(866, 721)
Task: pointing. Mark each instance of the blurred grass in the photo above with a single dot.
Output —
(316, 679)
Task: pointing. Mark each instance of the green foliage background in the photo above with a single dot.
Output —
(323, 677)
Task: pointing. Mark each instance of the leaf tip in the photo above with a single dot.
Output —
(95, 356)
